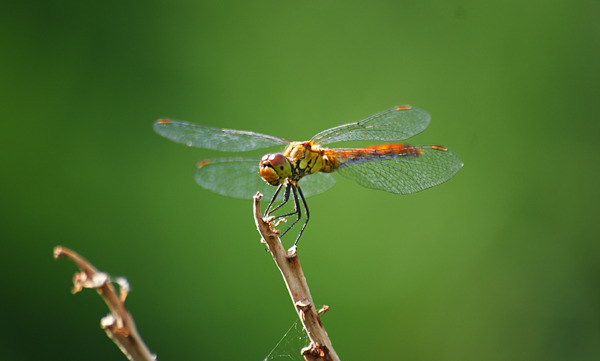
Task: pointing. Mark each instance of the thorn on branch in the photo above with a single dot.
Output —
(323, 309)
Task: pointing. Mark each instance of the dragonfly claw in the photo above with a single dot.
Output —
(279, 221)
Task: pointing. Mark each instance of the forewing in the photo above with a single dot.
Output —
(202, 136)
(239, 178)
(404, 174)
(394, 124)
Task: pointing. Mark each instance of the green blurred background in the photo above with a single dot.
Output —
(500, 263)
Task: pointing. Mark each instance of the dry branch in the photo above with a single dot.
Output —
(119, 324)
(288, 263)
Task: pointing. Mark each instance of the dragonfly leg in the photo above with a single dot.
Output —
(296, 211)
(307, 215)
(285, 198)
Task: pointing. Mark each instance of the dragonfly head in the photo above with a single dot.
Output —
(275, 168)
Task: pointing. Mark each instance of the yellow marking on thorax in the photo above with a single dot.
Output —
(307, 158)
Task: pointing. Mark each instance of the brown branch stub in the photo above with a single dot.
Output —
(315, 352)
(119, 324)
(289, 265)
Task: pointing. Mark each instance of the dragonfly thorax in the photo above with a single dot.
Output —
(308, 158)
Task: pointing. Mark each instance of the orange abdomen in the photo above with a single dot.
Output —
(337, 157)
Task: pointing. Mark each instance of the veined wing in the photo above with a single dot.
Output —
(392, 125)
(404, 173)
(239, 178)
(202, 136)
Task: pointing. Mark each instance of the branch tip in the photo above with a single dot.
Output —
(58, 251)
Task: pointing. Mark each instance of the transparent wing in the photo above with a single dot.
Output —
(316, 183)
(202, 136)
(239, 178)
(404, 174)
(392, 125)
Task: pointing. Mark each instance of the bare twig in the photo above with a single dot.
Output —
(119, 325)
(320, 348)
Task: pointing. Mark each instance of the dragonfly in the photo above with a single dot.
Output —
(304, 168)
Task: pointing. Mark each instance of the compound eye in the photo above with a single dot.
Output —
(277, 161)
